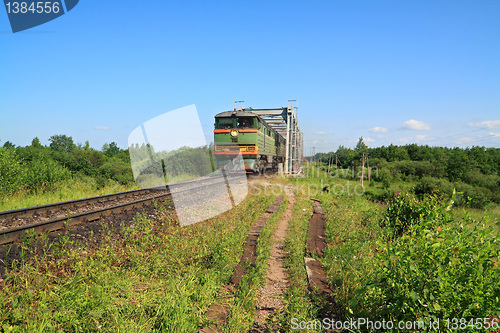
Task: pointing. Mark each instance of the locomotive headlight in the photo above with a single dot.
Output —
(234, 133)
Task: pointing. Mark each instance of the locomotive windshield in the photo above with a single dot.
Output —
(246, 122)
(224, 123)
(233, 122)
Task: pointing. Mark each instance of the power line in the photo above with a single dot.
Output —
(484, 138)
(453, 135)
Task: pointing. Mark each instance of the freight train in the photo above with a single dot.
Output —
(247, 133)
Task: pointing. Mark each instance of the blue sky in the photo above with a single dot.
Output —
(390, 71)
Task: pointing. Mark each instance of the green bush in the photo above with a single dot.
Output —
(380, 195)
(472, 196)
(384, 175)
(405, 210)
(439, 268)
(434, 186)
(11, 171)
(44, 174)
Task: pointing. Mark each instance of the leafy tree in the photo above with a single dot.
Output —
(8, 145)
(458, 165)
(111, 149)
(35, 143)
(361, 146)
(62, 143)
(345, 156)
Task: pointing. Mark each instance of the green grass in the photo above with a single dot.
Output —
(298, 302)
(491, 213)
(439, 267)
(68, 190)
(74, 188)
(352, 234)
(241, 316)
(158, 278)
(425, 263)
(355, 220)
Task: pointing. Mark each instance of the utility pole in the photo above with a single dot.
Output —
(362, 169)
(314, 155)
(368, 166)
(311, 161)
(365, 158)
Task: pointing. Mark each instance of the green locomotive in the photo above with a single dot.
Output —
(247, 133)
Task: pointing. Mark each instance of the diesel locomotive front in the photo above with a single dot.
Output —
(246, 133)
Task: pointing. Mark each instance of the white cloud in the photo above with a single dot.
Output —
(496, 135)
(378, 129)
(463, 140)
(422, 137)
(101, 128)
(486, 124)
(416, 125)
(315, 141)
(415, 139)
(320, 133)
(368, 140)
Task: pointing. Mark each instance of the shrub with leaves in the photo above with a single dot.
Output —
(440, 268)
(405, 210)
(11, 177)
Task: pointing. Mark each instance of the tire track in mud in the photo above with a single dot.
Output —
(318, 283)
(271, 295)
(219, 311)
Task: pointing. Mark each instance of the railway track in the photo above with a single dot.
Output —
(51, 217)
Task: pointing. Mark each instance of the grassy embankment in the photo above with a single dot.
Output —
(68, 190)
(407, 267)
(156, 277)
(37, 175)
(410, 259)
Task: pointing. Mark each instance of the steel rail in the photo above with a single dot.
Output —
(35, 211)
(64, 206)
(13, 234)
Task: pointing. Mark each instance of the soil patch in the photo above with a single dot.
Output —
(219, 311)
(271, 295)
(318, 283)
(316, 243)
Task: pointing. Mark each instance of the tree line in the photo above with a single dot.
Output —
(37, 167)
(473, 171)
